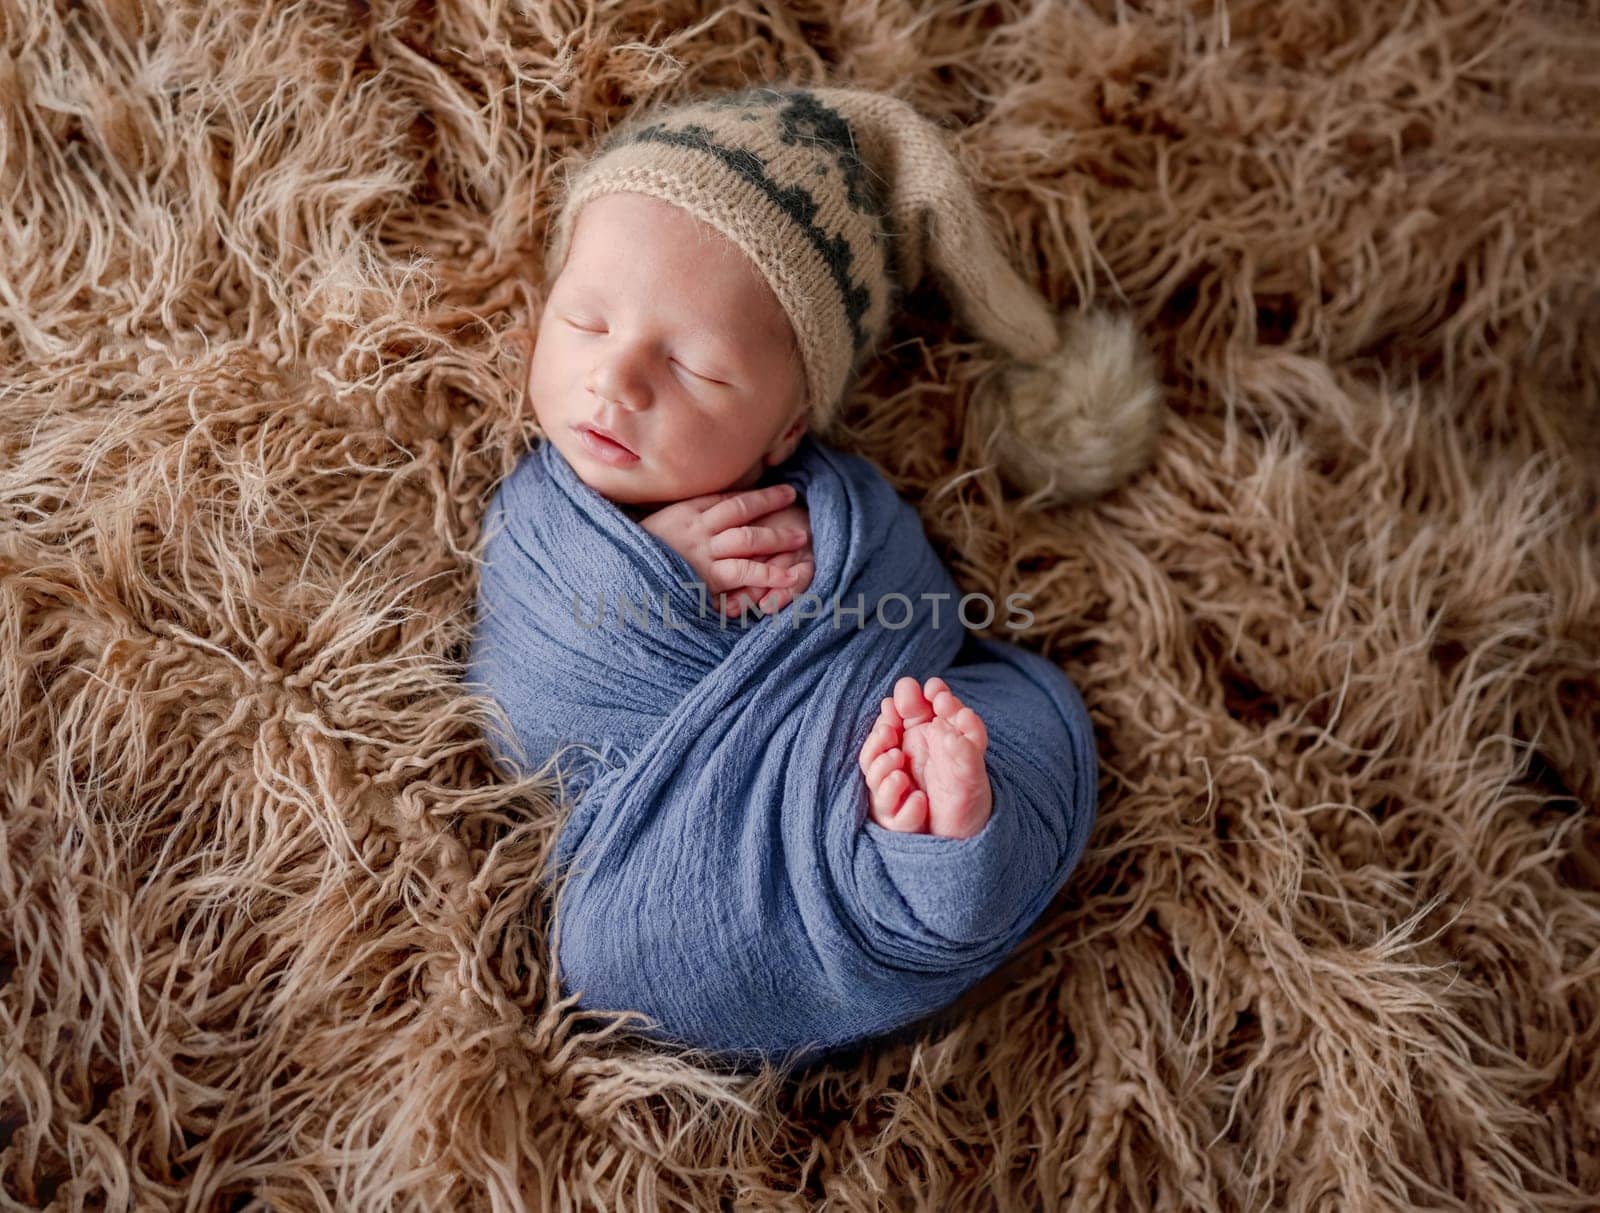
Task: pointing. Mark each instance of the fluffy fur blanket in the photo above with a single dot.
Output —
(270, 933)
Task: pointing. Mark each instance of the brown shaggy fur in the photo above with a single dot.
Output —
(269, 926)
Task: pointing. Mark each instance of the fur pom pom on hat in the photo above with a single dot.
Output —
(843, 198)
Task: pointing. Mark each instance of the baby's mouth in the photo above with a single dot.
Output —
(604, 446)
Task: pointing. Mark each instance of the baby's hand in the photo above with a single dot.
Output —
(728, 540)
(802, 559)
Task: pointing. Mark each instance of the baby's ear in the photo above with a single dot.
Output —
(789, 439)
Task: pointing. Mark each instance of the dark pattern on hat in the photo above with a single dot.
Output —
(796, 202)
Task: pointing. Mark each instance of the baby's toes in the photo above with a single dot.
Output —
(913, 815)
(887, 798)
(972, 727)
(889, 760)
(945, 705)
(910, 702)
(880, 739)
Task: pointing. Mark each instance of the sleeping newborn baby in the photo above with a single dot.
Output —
(793, 834)
(667, 375)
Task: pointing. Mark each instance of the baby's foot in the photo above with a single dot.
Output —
(924, 763)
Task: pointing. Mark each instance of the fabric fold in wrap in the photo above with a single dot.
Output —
(718, 871)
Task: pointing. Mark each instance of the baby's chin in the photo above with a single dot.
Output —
(635, 485)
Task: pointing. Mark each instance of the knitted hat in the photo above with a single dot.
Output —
(842, 198)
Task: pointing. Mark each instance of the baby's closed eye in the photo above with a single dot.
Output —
(708, 379)
(697, 370)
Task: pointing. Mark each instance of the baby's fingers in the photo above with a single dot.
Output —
(803, 569)
(747, 505)
(776, 600)
(735, 604)
(754, 573)
(759, 598)
(756, 541)
(762, 599)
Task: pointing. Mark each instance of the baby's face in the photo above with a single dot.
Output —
(662, 333)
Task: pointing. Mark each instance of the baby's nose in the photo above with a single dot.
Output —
(620, 387)
(620, 396)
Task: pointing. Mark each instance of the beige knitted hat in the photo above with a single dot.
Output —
(842, 198)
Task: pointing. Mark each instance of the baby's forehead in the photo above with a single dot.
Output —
(698, 303)
(634, 233)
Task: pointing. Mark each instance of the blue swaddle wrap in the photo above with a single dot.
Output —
(721, 873)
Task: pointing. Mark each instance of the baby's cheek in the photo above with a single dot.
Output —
(542, 401)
